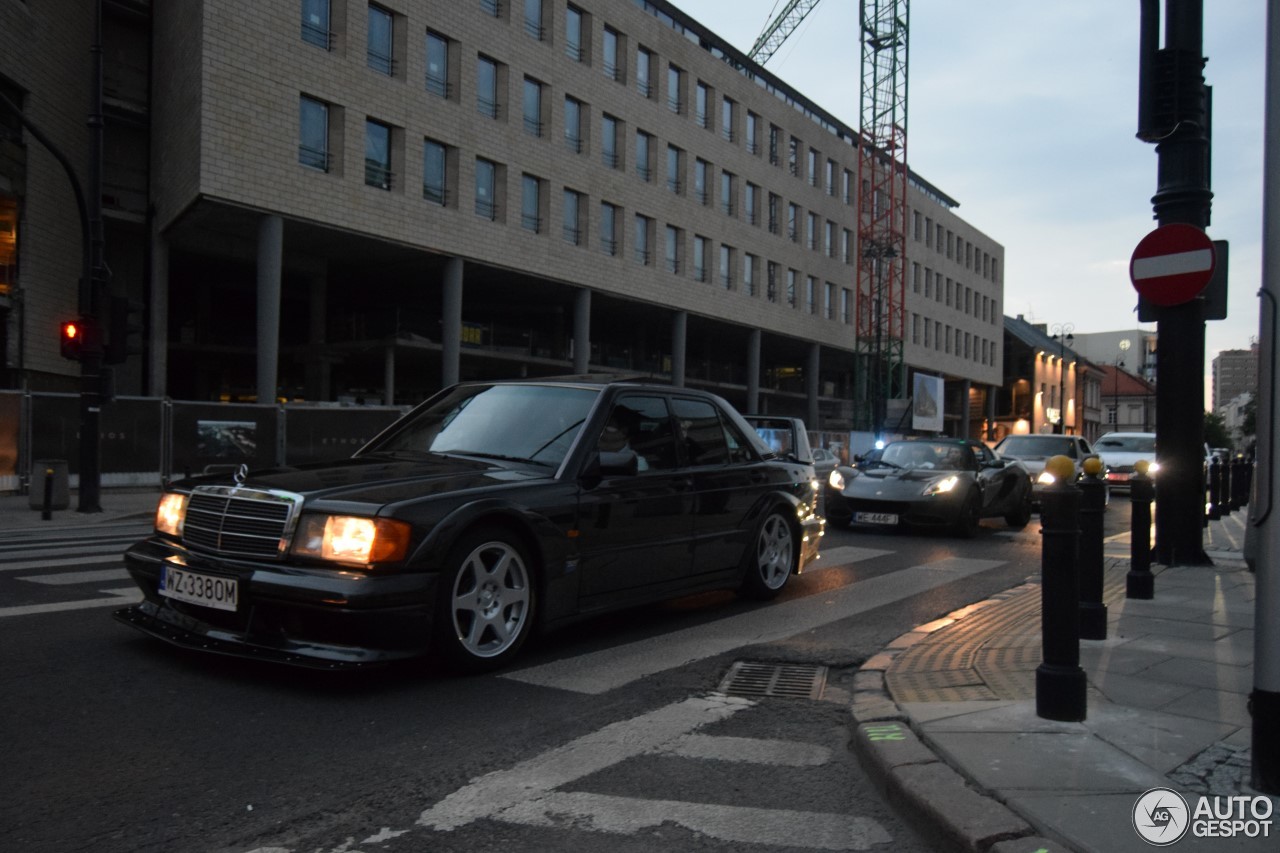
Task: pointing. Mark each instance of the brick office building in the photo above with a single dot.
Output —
(353, 201)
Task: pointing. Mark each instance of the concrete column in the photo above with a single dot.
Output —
(812, 386)
(389, 375)
(451, 324)
(679, 346)
(270, 265)
(753, 371)
(992, 391)
(966, 415)
(582, 331)
(158, 312)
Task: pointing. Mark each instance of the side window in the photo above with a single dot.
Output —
(738, 444)
(642, 424)
(700, 432)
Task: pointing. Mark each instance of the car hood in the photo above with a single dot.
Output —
(888, 480)
(377, 480)
(1126, 457)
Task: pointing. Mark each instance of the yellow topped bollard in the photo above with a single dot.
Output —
(1140, 582)
(1093, 506)
(1060, 682)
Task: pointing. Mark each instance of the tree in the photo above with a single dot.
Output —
(1215, 430)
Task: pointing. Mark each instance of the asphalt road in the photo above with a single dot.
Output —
(611, 735)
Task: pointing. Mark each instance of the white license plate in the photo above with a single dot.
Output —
(195, 588)
(875, 517)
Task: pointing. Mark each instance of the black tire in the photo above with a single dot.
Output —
(1020, 517)
(771, 559)
(970, 513)
(486, 601)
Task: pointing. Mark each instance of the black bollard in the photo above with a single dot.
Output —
(46, 510)
(1093, 506)
(1227, 487)
(1234, 477)
(1215, 489)
(1246, 482)
(1140, 583)
(1060, 682)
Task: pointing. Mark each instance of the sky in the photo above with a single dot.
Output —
(1025, 112)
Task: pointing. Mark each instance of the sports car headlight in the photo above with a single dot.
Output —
(351, 539)
(1046, 479)
(941, 487)
(836, 480)
(171, 513)
(1153, 468)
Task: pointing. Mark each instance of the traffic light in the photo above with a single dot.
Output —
(71, 338)
(124, 320)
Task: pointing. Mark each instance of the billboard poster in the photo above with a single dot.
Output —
(926, 403)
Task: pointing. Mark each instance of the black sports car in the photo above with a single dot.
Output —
(930, 483)
(489, 510)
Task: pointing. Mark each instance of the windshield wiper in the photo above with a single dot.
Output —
(501, 457)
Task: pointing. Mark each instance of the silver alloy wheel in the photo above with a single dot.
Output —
(490, 599)
(774, 551)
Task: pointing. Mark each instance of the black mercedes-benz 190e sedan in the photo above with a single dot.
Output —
(488, 511)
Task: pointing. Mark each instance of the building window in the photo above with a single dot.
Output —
(846, 306)
(751, 204)
(435, 175)
(793, 223)
(749, 274)
(831, 178)
(377, 154)
(726, 119)
(726, 267)
(493, 7)
(437, 64)
(487, 87)
(775, 142)
(700, 245)
(608, 228)
(573, 217)
(812, 176)
(846, 245)
(700, 106)
(531, 204)
(829, 301)
(609, 142)
(674, 182)
(846, 187)
(533, 18)
(315, 22)
(313, 142)
(675, 85)
(532, 107)
(793, 157)
(791, 288)
(771, 282)
(673, 249)
(775, 226)
(812, 235)
(380, 39)
(486, 189)
(831, 239)
(644, 72)
(610, 61)
(573, 113)
(573, 34)
(726, 193)
(701, 170)
(644, 156)
(644, 227)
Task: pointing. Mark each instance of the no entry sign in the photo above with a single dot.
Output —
(1172, 264)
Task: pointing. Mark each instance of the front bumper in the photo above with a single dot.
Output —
(301, 616)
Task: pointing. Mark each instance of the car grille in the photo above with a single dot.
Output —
(239, 521)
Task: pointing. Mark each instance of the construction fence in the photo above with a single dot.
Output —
(145, 441)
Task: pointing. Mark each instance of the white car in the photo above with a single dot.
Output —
(1033, 451)
(1121, 451)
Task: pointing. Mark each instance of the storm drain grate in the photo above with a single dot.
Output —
(795, 681)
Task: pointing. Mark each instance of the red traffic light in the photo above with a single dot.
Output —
(71, 337)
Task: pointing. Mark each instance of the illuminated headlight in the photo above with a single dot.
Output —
(836, 480)
(170, 514)
(941, 487)
(1046, 479)
(1153, 468)
(351, 539)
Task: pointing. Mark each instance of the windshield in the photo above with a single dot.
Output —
(928, 454)
(1038, 446)
(1127, 443)
(533, 423)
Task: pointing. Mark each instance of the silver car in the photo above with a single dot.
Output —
(1033, 451)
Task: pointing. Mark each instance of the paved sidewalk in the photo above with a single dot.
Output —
(117, 505)
(946, 715)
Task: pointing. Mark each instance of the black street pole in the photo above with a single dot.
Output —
(92, 300)
(1175, 114)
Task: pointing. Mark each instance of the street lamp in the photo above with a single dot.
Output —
(1062, 334)
(1115, 402)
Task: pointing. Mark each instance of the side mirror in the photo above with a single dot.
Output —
(619, 463)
